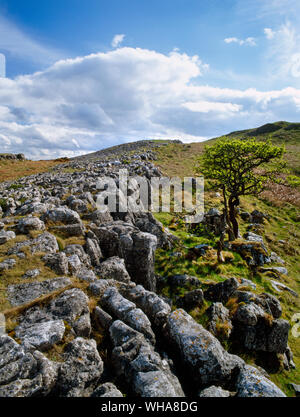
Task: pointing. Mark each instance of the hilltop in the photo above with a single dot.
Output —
(279, 132)
(128, 147)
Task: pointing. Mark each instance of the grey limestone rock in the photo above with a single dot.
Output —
(251, 383)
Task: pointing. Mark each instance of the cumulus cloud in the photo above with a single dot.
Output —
(117, 40)
(248, 41)
(91, 102)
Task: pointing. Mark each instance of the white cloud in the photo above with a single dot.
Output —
(248, 41)
(88, 103)
(212, 106)
(117, 40)
(231, 40)
(283, 54)
(17, 43)
(269, 33)
(275, 10)
(278, 7)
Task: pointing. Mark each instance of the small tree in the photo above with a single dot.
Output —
(239, 167)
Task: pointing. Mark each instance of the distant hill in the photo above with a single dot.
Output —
(119, 150)
(279, 132)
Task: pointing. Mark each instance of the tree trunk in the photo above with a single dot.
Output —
(220, 243)
(229, 229)
(220, 247)
(232, 215)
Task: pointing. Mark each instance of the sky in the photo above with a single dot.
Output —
(77, 76)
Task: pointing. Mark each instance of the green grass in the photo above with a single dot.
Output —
(283, 224)
(207, 269)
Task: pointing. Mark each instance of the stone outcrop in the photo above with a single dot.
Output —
(88, 316)
(135, 359)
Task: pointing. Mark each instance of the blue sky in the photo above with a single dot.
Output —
(83, 75)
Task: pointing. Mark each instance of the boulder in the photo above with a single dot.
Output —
(31, 273)
(24, 374)
(74, 264)
(98, 217)
(125, 241)
(94, 252)
(214, 392)
(85, 274)
(72, 307)
(205, 359)
(62, 215)
(150, 303)
(7, 264)
(254, 252)
(277, 270)
(99, 286)
(114, 268)
(191, 299)
(135, 359)
(251, 383)
(276, 258)
(42, 335)
(258, 217)
(252, 237)
(183, 280)
(279, 286)
(45, 242)
(146, 222)
(78, 205)
(23, 293)
(70, 230)
(118, 306)
(27, 224)
(34, 207)
(222, 291)
(58, 262)
(5, 236)
(81, 370)
(256, 329)
(79, 251)
(219, 320)
(249, 314)
(107, 390)
(103, 318)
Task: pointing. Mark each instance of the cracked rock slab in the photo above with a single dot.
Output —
(23, 293)
(251, 383)
(42, 335)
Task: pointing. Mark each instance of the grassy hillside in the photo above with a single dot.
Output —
(280, 232)
(180, 158)
(280, 133)
(177, 159)
(281, 204)
(283, 132)
(13, 169)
